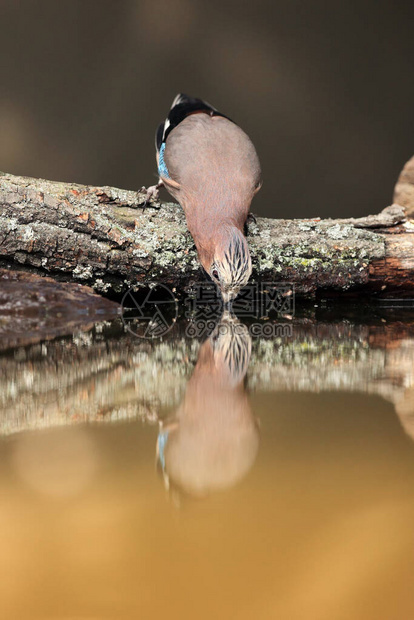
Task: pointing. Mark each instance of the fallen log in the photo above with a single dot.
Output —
(404, 189)
(102, 237)
(35, 309)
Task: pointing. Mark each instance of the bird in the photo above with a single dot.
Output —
(211, 440)
(211, 167)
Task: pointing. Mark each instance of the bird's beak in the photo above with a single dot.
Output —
(228, 298)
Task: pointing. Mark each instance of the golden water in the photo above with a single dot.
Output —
(162, 481)
(321, 527)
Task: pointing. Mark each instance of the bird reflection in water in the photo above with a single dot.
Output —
(211, 441)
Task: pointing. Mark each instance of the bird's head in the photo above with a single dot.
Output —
(229, 264)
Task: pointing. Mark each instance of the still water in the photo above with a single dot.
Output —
(229, 477)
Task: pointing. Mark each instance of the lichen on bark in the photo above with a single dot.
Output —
(102, 237)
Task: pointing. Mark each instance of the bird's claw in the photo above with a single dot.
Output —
(151, 196)
(251, 218)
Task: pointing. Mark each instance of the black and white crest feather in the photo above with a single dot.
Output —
(182, 106)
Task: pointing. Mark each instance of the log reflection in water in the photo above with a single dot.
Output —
(109, 375)
(211, 441)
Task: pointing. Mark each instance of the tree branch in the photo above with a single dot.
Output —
(404, 189)
(101, 237)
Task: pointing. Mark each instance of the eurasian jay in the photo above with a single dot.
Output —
(211, 167)
(212, 439)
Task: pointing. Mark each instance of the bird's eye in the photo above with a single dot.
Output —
(215, 274)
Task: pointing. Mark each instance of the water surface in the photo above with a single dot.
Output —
(230, 478)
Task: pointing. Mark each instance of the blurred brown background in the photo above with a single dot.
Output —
(324, 89)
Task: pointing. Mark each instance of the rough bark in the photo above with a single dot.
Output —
(34, 308)
(101, 237)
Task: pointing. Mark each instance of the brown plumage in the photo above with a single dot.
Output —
(211, 167)
(211, 441)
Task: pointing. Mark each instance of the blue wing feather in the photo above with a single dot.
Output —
(162, 168)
